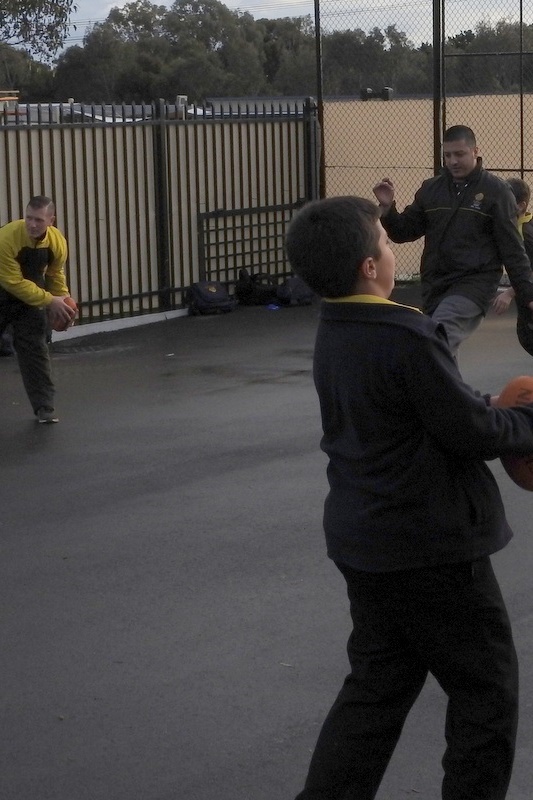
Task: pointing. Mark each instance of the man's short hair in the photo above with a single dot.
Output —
(520, 189)
(42, 201)
(457, 132)
(327, 241)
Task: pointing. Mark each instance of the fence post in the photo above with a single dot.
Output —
(438, 84)
(161, 205)
(312, 150)
(320, 99)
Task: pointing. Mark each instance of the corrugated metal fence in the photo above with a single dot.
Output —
(150, 203)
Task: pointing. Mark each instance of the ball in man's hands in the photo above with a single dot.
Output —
(58, 324)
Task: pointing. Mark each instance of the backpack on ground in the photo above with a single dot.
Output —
(255, 290)
(295, 292)
(209, 297)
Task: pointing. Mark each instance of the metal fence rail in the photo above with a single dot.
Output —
(133, 184)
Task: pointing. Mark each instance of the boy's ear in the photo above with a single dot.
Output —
(367, 270)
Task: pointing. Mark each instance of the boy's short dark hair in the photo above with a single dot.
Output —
(42, 201)
(458, 132)
(520, 189)
(328, 240)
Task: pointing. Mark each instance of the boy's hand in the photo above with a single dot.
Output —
(60, 314)
(384, 192)
(502, 301)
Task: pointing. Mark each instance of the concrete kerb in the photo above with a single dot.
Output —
(75, 331)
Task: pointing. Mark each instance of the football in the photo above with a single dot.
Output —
(57, 325)
(518, 392)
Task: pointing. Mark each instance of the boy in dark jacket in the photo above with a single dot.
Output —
(467, 217)
(502, 301)
(412, 516)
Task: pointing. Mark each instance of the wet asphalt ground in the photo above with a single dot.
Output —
(171, 628)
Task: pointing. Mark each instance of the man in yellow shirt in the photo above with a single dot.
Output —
(33, 254)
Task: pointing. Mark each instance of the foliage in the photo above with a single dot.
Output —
(491, 73)
(19, 71)
(201, 48)
(41, 26)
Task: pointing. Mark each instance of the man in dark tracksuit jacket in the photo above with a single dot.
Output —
(411, 519)
(468, 218)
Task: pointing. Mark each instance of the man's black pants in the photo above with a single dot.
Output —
(451, 621)
(30, 327)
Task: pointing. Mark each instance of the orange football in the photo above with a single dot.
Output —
(70, 302)
(57, 325)
(518, 392)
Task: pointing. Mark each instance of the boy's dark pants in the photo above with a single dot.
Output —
(451, 621)
(29, 340)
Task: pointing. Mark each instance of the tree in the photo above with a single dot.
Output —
(346, 66)
(491, 65)
(136, 21)
(19, 71)
(462, 40)
(399, 56)
(297, 74)
(40, 26)
(91, 73)
(284, 41)
(225, 46)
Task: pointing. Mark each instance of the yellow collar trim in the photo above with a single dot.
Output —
(525, 218)
(368, 298)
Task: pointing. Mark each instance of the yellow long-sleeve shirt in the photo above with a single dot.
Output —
(32, 271)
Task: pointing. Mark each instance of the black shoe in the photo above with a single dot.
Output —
(46, 415)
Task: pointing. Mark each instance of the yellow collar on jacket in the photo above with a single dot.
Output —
(367, 298)
(523, 220)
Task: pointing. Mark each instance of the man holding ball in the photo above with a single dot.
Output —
(33, 289)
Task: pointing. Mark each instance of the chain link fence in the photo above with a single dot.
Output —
(487, 81)
(395, 75)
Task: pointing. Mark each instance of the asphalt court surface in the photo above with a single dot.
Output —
(171, 626)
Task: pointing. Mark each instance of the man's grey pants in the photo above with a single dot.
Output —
(460, 317)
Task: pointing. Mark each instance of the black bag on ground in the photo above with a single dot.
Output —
(209, 297)
(255, 290)
(295, 292)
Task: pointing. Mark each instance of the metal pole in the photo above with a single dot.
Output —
(161, 205)
(320, 99)
(521, 60)
(438, 62)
